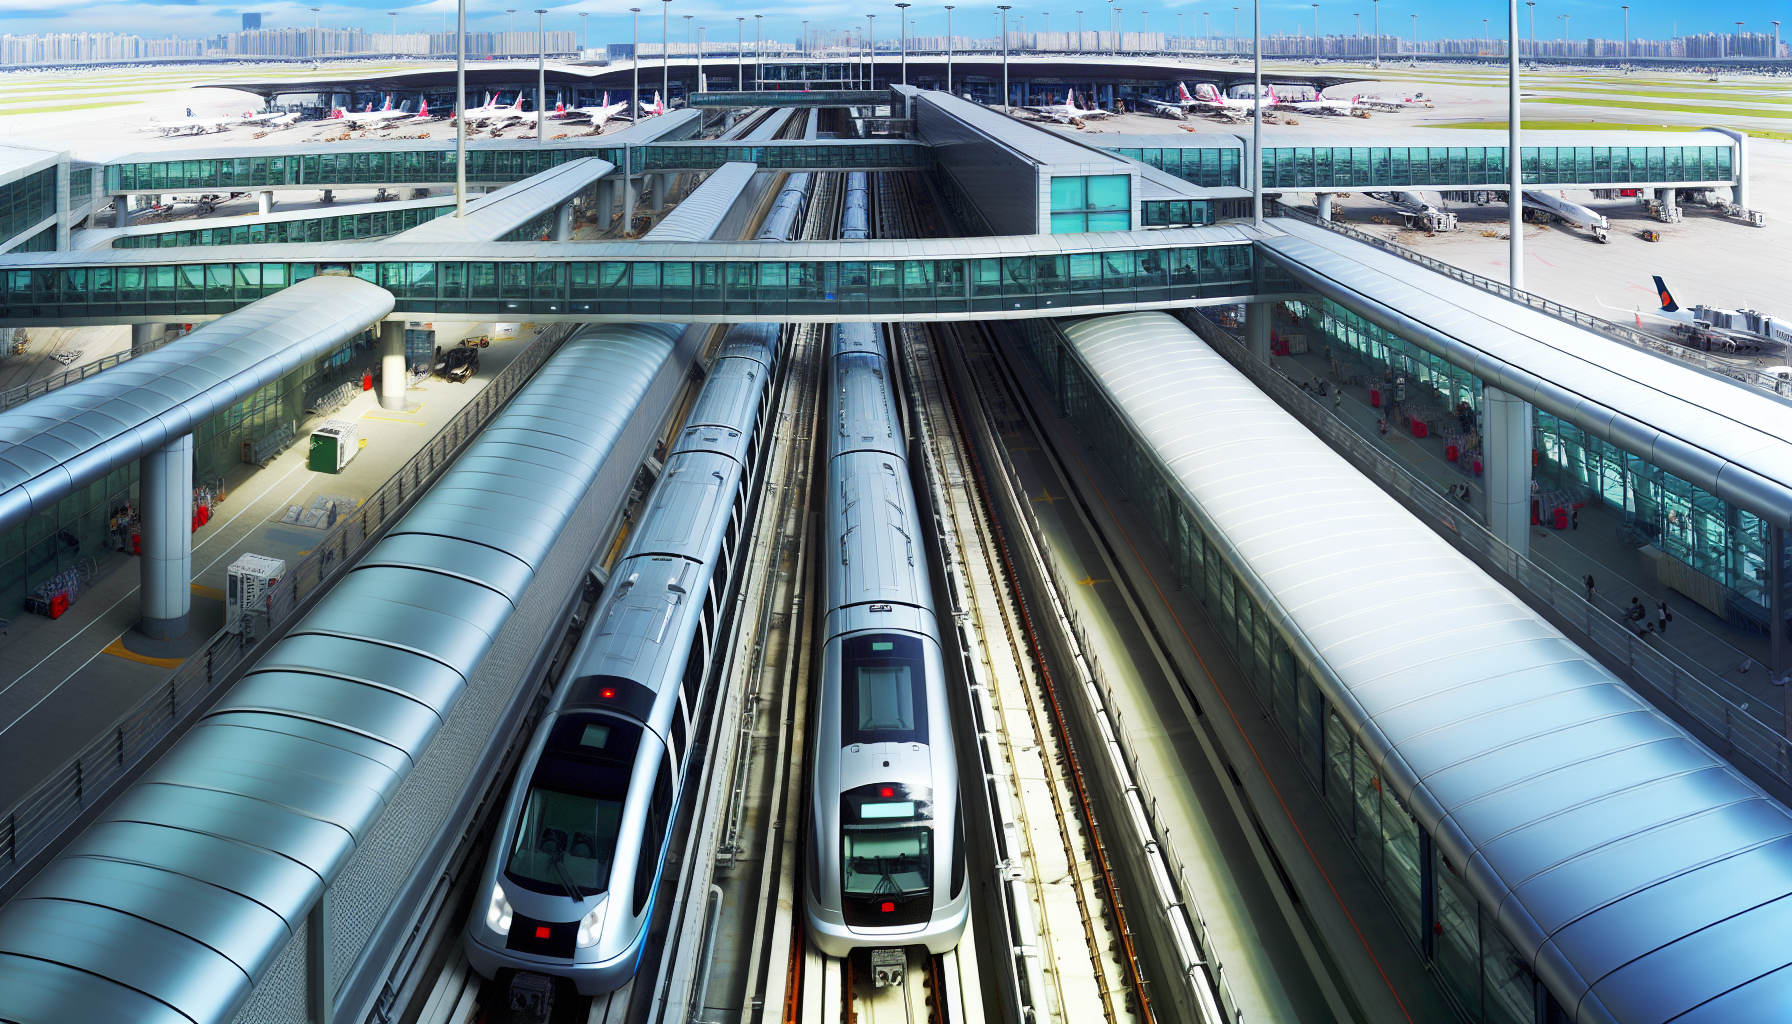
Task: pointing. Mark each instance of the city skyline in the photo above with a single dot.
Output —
(610, 23)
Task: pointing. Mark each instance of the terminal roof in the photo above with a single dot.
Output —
(700, 214)
(1059, 153)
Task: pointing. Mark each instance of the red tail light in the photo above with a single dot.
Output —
(888, 908)
(541, 931)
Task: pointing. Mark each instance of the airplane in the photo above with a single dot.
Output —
(1731, 326)
(1400, 102)
(492, 111)
(190, 125)
(1318, 104)
(1209, 99)
(372, 117)
(656, 107)
(1069, 113)
(597, 115)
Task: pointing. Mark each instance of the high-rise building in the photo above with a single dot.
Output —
(251, 22)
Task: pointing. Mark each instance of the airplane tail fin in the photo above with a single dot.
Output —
(559, 110)
(518, 105)
(1272, 96)
(336, 114)
(1207, 92)
(1182, 92)
(1667, 299)
(423, 110)
(388, 107)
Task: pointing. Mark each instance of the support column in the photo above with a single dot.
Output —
(394, 374)
(563, 223)
(121, 211)
(1256, 326)
(659, 192)
(144, 334)
(1325, 206)
(1506, 443)
(264, 202)
(165, 494)
(320, 999)
(631, 198)
(606, 202)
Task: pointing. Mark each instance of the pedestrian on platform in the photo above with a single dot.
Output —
(1574, 518)
(1663, 617)
(1635, 615)
(1338, 400)
(1589, 582)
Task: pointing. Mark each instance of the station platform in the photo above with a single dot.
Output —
(1697, 638)
(64, 680)
(1187, 720)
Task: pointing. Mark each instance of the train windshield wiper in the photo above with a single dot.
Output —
(573, 892)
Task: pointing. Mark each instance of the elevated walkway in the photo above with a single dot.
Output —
(535, 207)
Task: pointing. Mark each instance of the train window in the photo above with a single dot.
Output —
(883, 690)
(958, 847)
(653, 836)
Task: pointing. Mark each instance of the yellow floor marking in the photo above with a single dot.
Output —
(1088, 581)
(118, 650)
(212, 592)
(1049, 498)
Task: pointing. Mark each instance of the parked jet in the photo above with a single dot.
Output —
(1068, 111)
(596, 115)
(1733, 327)
(1318, 104)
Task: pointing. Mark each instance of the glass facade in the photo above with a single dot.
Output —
(484, 166)
(1210, 168)
(1437, 912)
(26, 202)
(1096, 202)
(1706, 534)
(1439, 166)
(43, 241)
(315, 229)
(80, 184)
(1175, 213)
(515, 288)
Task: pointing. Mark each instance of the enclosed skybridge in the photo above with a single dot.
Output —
(788, 97)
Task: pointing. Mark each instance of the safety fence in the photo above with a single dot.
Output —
(89, 778)
(1714, 702)
(1627, 335)
(26, 392)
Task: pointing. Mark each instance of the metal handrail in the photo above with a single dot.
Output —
(34, 820)
(38, 388)
(1712, 701)
(1567, 314)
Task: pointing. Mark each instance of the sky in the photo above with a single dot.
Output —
(609, 20)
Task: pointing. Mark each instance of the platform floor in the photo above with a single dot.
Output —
(63, 681)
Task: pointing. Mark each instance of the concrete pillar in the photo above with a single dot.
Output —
(394, 374)
(1670, 197)
(1506, 442)
(658, 186)
(329, 195)
(563, 223)
(264, 202)
(144, 334)
(606, 202)
(631, 198)
(121, 211)
(1256, 326)
(165, 496)
(1325, 206)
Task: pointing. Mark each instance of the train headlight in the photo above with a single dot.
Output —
(590, 923)
(498, 912)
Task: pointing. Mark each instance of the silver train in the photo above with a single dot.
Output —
(886, 859)
(569, 885)
(855, 214)
(787, 210)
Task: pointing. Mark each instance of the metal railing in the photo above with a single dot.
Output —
(38, 388)
(1712, 701)
(37, 818)
(1628, 335)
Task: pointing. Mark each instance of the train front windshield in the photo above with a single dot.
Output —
(565, 839)
(888, 875)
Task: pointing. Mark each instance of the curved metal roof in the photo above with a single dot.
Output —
(185, 892)
(1642, 876)
(496, 214)
(1735, 442)
(700, 213)
(77, 434)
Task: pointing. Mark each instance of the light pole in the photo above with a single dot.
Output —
(1565, 18)
(1257, 114)
(1626, 10)
(1004, 8)
(1179, 36)
(740, 55)
(1079, 31)
(1415, 33)
(1776, 40)
(804, 49)
(1485, 41)
(1514, 162)
(460, 112)
(1315, 30)
(1119, 30)
(666, 51)
(317, 34)
(1234, 26)
(634, 54)
(1739, 33)
(903, 17)
(687, 41)
(1532, 4)
(871, 52)
(541, 75)
(584, 30)
(394, 16)
(509, 32)
(702, 48)
(758, 52)
(949, 49)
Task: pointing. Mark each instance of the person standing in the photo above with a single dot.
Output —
(1663, 617)
(1574, 518)
(1589, 582)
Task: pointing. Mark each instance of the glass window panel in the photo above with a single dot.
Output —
(1456, 951)
(1069, 193)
